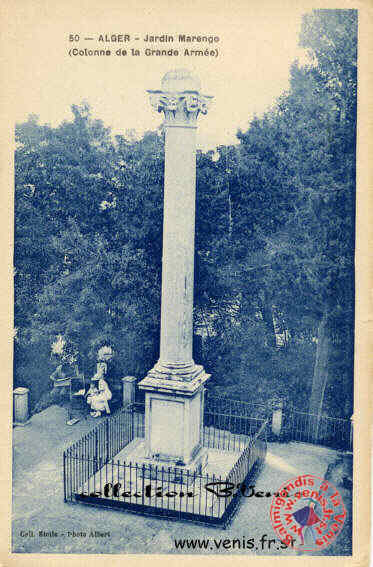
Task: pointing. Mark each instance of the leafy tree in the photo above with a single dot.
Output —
(88, 246)
(285, 196)
(274, 237)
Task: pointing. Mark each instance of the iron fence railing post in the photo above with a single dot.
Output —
(96, 450)
(107, 440)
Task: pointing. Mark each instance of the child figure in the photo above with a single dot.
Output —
(98, 394)
(93, 391)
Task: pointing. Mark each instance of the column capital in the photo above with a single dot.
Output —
(21, 390)
(180, 99)
(129, 379)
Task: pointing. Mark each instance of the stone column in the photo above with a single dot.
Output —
(176, 376)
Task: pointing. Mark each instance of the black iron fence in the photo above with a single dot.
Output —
(333, 432)
(296, 425)
(92, 474)
(222, 405)
(248, 466)
(97, 472)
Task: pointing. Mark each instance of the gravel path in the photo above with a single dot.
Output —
(38, 502)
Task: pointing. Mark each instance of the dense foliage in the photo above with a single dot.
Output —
(274, 290)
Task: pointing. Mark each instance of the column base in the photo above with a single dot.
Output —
(180, 378)
(167, 467)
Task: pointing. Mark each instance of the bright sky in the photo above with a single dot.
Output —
(258, 43)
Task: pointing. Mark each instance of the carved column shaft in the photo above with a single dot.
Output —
(178, 246)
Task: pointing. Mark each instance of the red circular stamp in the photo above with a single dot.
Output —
(307, 512)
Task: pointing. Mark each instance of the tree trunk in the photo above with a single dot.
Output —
(267, 315)
(320, 372)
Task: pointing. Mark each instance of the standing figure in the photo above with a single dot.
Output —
(106, 359)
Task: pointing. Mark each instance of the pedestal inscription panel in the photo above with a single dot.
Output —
(166, 427)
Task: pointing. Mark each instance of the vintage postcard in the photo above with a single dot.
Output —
(187, 254)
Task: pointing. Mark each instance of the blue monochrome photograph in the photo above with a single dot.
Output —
(184, 286)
